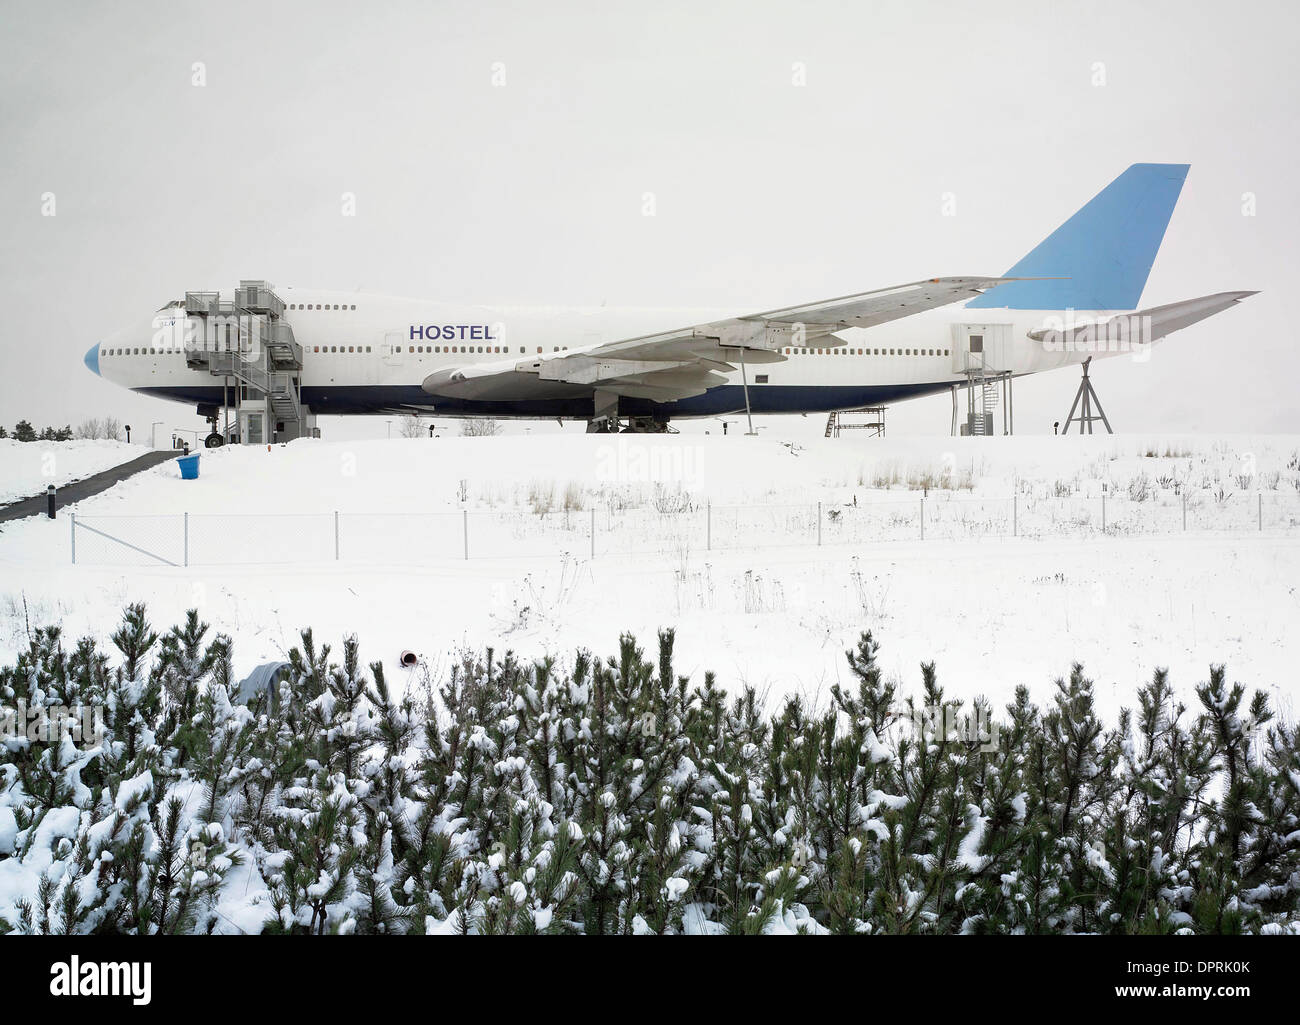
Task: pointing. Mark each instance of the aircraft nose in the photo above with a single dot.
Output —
(91, 359)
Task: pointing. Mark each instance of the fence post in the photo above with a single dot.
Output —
(187, 538)
(1014, 503)
(74, 538)
(819, 523)
(1261, 510)
(465, 530)
(1103, 512)
(708, 525)
(593, 531)
(336, 535)
(1184, 508)
(923, 518)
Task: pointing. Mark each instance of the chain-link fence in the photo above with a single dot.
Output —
(404, 538)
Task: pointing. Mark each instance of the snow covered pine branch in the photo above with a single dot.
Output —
(613, 797)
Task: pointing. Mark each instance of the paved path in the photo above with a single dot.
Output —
(77, 490)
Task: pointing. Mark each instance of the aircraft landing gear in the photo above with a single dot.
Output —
(607, 421)
(212, 415)
(633, 425)
(647, 425)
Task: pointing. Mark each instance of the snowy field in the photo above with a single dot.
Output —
(1198, 561)
(29, 467)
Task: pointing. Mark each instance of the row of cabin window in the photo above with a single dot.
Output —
(340, 348)
(471, 348)
(141, 352)
(866, 352)
(318, 306)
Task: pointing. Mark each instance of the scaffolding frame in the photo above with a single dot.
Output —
(874, 424)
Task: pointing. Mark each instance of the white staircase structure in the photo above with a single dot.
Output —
(980, 352)
(247, 343)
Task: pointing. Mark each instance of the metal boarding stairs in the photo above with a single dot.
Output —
(990, 383)
(988, 403)
(246, 339)
(279, 388)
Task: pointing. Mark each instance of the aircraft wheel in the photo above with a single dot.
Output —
(213, 440)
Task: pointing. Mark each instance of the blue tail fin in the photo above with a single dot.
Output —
(1104, 252)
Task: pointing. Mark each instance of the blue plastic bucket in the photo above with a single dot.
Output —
(189, 466)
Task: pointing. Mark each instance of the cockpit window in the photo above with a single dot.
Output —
(175, 304)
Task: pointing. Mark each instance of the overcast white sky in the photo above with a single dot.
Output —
(767, 193)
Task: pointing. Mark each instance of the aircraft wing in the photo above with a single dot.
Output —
(1142, 326)
(677, 364)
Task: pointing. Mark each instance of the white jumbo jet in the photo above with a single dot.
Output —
(1072, 298)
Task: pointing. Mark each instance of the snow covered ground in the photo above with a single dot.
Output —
(29, 467)
(1014, 580)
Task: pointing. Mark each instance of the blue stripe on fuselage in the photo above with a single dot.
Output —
(727, 399)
